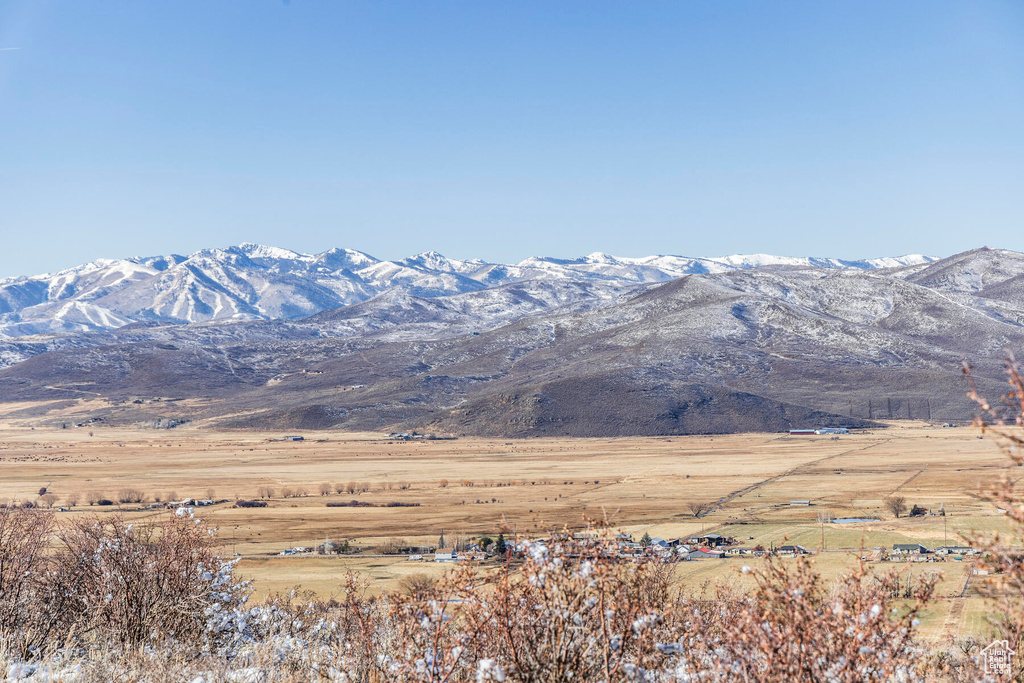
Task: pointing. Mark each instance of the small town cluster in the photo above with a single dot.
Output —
(704, 546)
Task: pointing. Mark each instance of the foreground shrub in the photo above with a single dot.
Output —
(111, 582)
(1004, 554)
(142, 583)
(572, 611)
(24, 534)
(795, 627)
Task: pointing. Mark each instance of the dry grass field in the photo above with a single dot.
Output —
(528, 487)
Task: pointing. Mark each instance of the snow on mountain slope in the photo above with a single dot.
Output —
(252, 281)
(972, 271)
(841, 340)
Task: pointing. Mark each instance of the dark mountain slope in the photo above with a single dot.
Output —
(764, 348)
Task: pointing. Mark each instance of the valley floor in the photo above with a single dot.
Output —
(471, 487)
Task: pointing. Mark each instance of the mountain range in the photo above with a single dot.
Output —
(256, 282)
(255, 337)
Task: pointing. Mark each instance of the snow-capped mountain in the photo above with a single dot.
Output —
(257, 282)
(756, 348)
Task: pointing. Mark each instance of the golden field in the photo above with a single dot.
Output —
(529, 487)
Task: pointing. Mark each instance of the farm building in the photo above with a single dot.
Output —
(791, 550)
(909, 549)
(710, 540)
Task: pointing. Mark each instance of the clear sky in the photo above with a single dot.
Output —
(504, 130)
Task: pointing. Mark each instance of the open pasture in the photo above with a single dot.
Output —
(471, 487)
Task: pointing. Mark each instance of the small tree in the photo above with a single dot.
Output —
(897, 505)
(645, 540)
(325, 489)
(699, 509)
(500, 547)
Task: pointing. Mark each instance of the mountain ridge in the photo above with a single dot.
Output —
(258, 282)
(760, 348)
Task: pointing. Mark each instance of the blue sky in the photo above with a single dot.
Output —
(504, 130)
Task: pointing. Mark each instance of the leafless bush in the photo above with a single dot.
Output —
(71, 500)
(286, 492)
(418, 585)
(339, 488)
(796, 627)
(897, 505)
(1002, 555)
(49, 499)
(265, 492)
(140, 584)
(325, 489)
(443, 483)
(130, 496)
(24, 537)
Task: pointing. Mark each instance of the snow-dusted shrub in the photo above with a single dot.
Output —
(144, 583)
(1003, 554)
(26, 616)
(796, 627)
